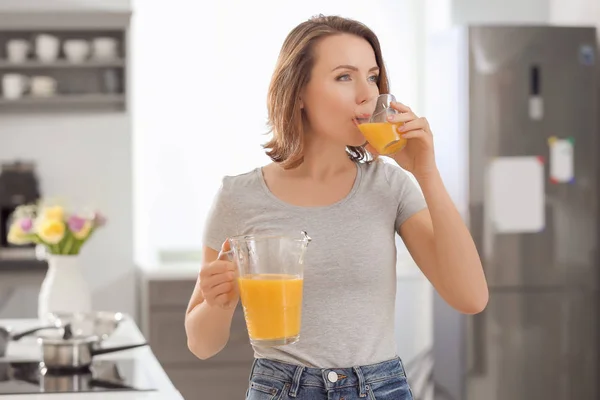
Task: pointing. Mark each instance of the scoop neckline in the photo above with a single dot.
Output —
(277, 200)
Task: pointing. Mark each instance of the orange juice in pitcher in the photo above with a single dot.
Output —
(272, 305)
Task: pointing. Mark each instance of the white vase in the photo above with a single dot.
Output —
(64, 288)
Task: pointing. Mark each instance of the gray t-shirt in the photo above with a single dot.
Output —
(350, 266)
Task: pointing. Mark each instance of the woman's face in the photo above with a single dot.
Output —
(344, 75)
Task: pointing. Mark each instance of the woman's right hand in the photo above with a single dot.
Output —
(218, 282)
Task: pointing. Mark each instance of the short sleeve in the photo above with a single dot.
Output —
(221, 219)
(406, 192)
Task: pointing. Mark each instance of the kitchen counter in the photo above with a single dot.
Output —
(172, 271)
(128, 333)
(20, 281)
(23, 266)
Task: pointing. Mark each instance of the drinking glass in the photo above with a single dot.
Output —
(371, 119)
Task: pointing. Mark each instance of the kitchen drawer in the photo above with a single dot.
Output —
(170, 292)
(219, 383)
(169, 341)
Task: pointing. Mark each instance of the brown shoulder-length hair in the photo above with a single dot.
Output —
(291, 75)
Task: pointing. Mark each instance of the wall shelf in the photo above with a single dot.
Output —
(61, 64)
(64, 102)
(90, 84)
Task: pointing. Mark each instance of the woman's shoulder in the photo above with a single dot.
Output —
(244, 179)
(235, 188)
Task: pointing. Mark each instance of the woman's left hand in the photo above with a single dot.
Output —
(417, 156)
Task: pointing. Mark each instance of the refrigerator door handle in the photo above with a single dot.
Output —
(476, 227)
(479, 357)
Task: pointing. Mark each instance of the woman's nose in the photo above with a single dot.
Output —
(364, 92)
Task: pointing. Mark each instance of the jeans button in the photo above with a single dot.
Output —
(332, 376)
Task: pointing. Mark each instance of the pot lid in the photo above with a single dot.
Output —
(65, 336)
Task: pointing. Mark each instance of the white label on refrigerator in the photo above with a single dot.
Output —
(561, 160)
(536, 108)
(516, 194)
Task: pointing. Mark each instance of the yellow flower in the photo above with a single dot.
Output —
(16, 235)
(51, 230)
(55, 213)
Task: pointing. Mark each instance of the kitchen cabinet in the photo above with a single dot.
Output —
(164, 301)
(20, 282)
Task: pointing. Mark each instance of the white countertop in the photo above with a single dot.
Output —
(128, 333)
(172, 271)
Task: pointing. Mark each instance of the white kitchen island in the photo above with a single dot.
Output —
(127, 333)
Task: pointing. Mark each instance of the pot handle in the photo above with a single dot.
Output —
(28, 332)
(97, 352)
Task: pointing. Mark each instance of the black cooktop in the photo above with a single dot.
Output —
(102, 376)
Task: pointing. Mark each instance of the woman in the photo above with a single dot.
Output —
(323, 180)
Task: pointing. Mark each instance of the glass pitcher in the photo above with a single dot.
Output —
(271, 277)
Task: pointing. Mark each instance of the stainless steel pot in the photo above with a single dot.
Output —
(98, 323)
(71, 353)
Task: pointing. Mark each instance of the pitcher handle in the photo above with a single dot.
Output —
(228, 254)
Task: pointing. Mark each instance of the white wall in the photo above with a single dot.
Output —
(500, 11)
(565, 12)
(575, 12)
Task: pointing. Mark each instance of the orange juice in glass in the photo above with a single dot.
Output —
(373, 124)
(271, 278)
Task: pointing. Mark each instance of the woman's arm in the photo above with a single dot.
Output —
(207, 327)
(437, 238)
(443, 248)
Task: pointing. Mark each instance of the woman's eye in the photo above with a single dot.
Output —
(346, 77)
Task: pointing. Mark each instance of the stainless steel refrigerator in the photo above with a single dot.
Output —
(514, 110)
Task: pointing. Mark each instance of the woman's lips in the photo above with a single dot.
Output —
(362, 118)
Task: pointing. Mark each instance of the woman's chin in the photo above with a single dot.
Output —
(356, 141)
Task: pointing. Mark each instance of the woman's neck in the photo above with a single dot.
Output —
(322, 159)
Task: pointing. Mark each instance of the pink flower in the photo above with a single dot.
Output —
(99, 219)
(76, 223)
(26, 224)
(80, 227)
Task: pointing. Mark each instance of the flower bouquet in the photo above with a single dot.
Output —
(52, 227)
(62, 234)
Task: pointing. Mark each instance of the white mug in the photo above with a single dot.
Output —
(14, 86)
(43, 86)
(104, 48)
(17, 50)
(76, 50)
(47, 47)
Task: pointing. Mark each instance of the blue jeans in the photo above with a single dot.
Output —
(273, 380)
